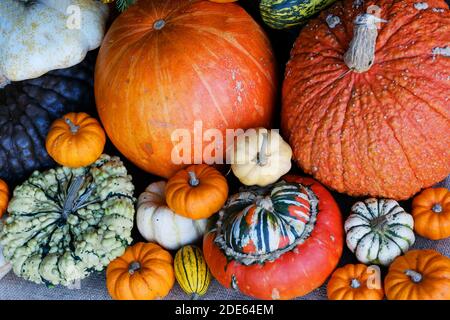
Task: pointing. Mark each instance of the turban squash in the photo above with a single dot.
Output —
(164, 65)
(373, 121)
(277, 242)
(27, 110)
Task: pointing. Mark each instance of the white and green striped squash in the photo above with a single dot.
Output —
(378, 231)
(283, 14)
(65, 223)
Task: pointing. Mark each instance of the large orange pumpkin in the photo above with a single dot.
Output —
(371, 116)
(165, 64)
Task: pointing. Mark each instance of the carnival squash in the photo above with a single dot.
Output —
(277, 242)
(43, 35)
(191, 271)
(143, 272)
(169, 69)
(365, 97)
(379, 230)
(27, 110)
(282, 14)
(260, 157)
(353, 282)
(431, 212)
(75, 140)
(64, 224)
(4, 197)
(197, 192)
(158, 223)
(419, 275)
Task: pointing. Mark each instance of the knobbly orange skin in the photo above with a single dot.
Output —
(295, 273)
(4, 197)
(434, 269)
(340, 284)
(153, 280)
(384, 132)
(209, 62)
(430, 221)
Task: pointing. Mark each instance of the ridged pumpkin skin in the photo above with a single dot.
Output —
(419, 275)
(351, 283)
(165, 64)
(431, 212)
(191, 271)
(4, 197)
(143, 272)
(301, 267)
(282, 14)
(384, 132)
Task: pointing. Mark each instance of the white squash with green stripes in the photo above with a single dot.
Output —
(378, 231)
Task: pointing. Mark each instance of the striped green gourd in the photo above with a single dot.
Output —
(283, 14)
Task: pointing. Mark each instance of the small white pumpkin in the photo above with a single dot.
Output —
(37, 36)
(378, 231)
(260, 157)
(156, 222)
(5, 266)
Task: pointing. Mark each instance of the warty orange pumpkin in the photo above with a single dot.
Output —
(365, 97)
(165, 64)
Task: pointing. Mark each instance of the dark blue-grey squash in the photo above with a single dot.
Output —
(28, 108)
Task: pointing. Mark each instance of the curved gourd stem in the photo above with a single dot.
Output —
(355, 284)
(261, 158)
(360, 55)
(73, 128)
(437, 208)
(133, 267)
(72, 195)
(414, 275)
(193, 180)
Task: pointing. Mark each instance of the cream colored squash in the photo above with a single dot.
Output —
(157, 223)
(37, 36)
(260, 157)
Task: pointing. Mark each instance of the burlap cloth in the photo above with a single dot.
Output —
(94, 288)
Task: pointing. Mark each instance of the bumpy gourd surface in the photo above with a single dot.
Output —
(261, 224)
(66, 223)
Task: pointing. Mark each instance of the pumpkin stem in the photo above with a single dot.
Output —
(265, 203)
(437, 208)
(415, 276)
(72, 195)
(261, 158)
(159, 24)
(133, 267)
(73, 128)
(193, 180)
(195, 296)
(355, 284)
(360, 55)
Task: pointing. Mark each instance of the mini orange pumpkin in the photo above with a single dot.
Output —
(197, 192)
(75, 140)
(144, 272)
(431, 212)
(351, 283)
(419, 275)
(4, 197)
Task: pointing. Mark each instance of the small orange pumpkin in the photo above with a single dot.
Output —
(4, 197)
(75, 140)
(144, 272)
(419, 275)
(431, 212)
(197, 192)
(351, 283)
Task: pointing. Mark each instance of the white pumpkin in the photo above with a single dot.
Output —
(156, 222)
(37, 36)
(378, 231)
(5, 266)
(260, 157)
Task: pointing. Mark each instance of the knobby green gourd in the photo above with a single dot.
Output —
(65, 223)
(378, 231)
(282, 14)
